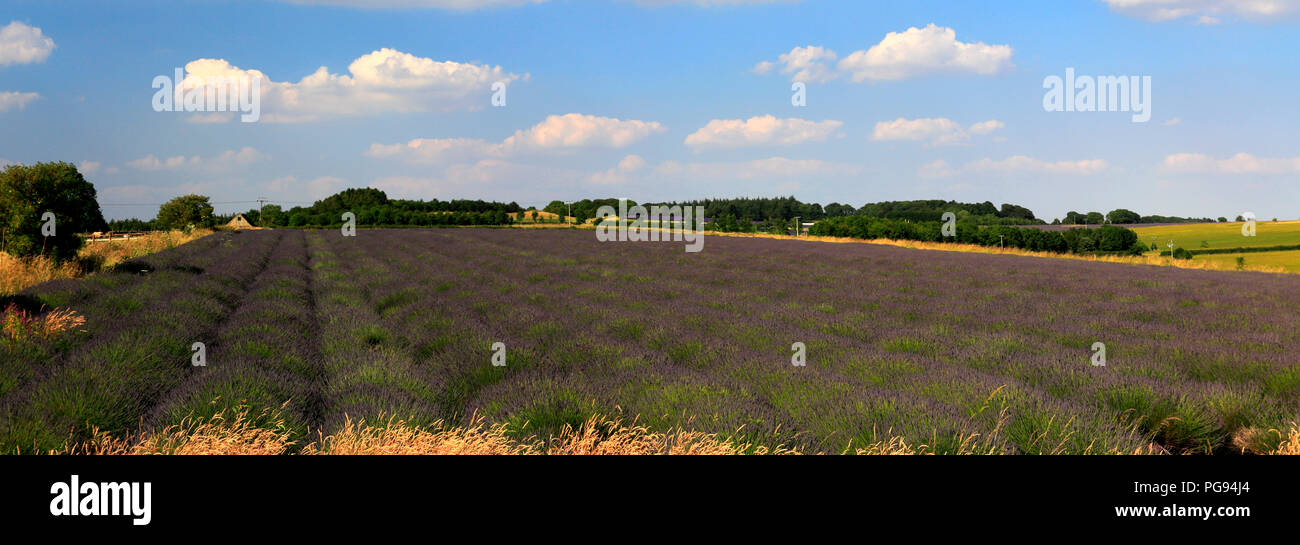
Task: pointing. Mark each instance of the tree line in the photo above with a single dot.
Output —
(1107, 239)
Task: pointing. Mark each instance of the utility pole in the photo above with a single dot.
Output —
(1171, 248)
(1000, 244)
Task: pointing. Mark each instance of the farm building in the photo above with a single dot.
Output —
(240, 222)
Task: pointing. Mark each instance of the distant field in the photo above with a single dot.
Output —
(1228, 235)
(1289, 260)
(1222, 235)
(931, 346)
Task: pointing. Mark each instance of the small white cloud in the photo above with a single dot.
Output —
(1021, 163)
(152, 162)
(924, 51)
(619, 174)
(453, 5)
(223, 161)
(1173, 122)
(987, 127)
(555, 132)
(1206, 12)
(936, 169)
(578, 130)
(936, 131)
(809, 64)
(471, 5)
(12, 99)
(22, 44)
(1016, 164)
(311, 190)
(88, 167)
(761, 131)
(772, 167)
(242, 157)
(437, 150)
(1241, 163)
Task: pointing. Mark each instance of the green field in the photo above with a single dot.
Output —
(1222, 235)
(1228, 235)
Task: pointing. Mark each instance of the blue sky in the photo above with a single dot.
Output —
(665, 99)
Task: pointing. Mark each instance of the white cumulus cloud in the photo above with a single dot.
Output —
(809, 64)
(761, 131)
(22, 44)
(925, 51)
(381, 81)
(936, 131)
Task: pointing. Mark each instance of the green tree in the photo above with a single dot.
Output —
(272, 216)
(27, 193)
(184, 211)
(558, 208)
(1121, 216)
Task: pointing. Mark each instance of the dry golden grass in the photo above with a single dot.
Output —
(17, 324)
(266, 434)
(605, 436)
(262, 434)
(397, 437)
(1290, 442)
(17, 274)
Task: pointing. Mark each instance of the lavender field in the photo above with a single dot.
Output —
(932, 346)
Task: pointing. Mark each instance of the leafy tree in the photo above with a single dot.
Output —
(184, 211)
(558, 208)
(1095, 218)
(272, 215)
(1013, 211)
(351, 200)
(1121, 216)
(28, 192)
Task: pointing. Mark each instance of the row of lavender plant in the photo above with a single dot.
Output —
(913, 341)
(263, 355)
(138, 346)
